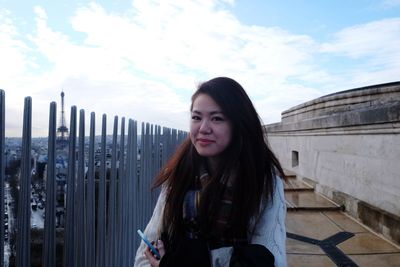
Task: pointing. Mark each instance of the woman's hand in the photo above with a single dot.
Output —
(154, 262)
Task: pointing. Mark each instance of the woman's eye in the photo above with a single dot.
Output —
(195, 117)
(218, 119)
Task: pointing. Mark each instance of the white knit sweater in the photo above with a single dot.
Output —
(269, 231)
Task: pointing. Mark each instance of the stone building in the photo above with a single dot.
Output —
(347, 145)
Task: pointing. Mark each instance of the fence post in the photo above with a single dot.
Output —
(2, 172)
(121, 186)
(80, 196)
(111, 233)
(90, 200)
(24, 207)
(49, 246)
(101, 200)
(69, 222)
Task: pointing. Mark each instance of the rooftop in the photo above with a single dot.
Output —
(319, 233)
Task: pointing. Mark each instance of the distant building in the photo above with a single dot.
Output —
(62, 130)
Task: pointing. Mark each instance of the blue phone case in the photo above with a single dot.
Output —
(152, 248)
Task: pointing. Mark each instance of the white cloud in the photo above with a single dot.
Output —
(192, 39)
(283, 98)
(372, 39)
(40, 12)
(145, 62)
(391, 3)
(376, 44)
(13, 50)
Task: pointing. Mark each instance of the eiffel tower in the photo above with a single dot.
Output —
(62, 130)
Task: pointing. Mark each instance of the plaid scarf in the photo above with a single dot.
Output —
(221, 224)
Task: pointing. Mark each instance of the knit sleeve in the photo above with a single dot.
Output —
(270, 229)
(152, 230)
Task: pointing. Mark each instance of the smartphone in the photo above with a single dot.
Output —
(151, 247)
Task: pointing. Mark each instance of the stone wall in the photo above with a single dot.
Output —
(348, 145)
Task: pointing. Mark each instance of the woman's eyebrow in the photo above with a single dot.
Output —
(217, 112)
(211, 113)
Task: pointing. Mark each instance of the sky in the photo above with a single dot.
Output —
(143, 60)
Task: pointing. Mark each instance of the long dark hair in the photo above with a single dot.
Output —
(247, 158)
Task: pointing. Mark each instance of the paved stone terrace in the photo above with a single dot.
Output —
(320, 234)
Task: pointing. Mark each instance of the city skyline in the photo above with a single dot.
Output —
(144, 59)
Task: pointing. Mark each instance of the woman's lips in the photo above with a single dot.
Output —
(204, 142)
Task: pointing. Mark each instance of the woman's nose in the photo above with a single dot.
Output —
(205, 127)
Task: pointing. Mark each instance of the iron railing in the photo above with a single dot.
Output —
(100, 228)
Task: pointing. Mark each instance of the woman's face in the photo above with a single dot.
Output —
(210, 129)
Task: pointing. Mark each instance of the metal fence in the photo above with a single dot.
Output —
(100, 227)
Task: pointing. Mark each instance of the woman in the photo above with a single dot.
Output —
(222, 201)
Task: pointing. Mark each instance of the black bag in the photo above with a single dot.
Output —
(189, 253)
(252, 255)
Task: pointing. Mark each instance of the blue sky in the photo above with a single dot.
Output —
(144, 59)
